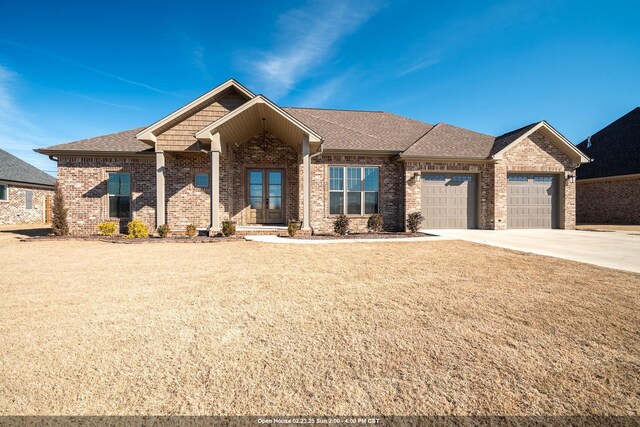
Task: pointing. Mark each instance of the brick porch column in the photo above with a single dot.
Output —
(306, 168)
(216, 147)
(160, 192)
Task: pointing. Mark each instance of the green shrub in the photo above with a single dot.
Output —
(164, 230)
(191, 230)
(293, 227)
(414, 219)
(108, 228)
(375, 223)
(228, 228)
(137, 229)
(341, 225)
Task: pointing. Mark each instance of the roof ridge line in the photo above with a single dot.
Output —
(338, 109)
(421, 136)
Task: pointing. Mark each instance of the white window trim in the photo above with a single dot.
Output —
(7, 199)
(345, 191)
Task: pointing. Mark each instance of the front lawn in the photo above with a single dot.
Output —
(442, 327)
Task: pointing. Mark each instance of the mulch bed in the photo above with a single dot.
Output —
(124, 240)
(389, 235)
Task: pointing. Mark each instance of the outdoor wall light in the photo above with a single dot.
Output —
(416, 175)
(571, 179)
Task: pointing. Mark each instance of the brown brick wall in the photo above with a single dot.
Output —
(390, 192)
(14, 211)
(609, 202)
(484, 172)
(536, 154)
(84, 184)
(185, 203)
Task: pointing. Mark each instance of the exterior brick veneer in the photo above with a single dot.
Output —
(14, 211)
(484, 172)
(84, 184)
(536, 154)
(615, 201)
(390, 192)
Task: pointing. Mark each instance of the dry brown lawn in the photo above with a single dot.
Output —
(443, 327)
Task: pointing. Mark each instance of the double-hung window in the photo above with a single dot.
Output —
(119, 189)
(353, 190)
(4, 192)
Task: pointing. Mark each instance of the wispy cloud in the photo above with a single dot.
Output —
(87, 67)
(319, 95)
(307, 38)
(17, 134)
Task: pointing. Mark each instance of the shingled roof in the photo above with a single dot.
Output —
(361, 130)
(615, 149)
(343, 130)
(119, 142)
(16, 170)
(444, 140)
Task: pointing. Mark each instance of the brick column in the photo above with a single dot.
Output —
(160, 191)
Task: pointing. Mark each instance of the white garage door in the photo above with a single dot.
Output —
(532, 201)
(449, 200)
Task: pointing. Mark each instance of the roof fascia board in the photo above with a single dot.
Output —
(447, 159)
(583, 158)
(26, 184)
(346, 151)
(146, 135)
(74, 153)
(609, 178)
(206, 134)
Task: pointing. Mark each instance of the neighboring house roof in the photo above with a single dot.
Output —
(15, 170)
(361, 130)
(444, 140)
(615, 149)
(119, 142)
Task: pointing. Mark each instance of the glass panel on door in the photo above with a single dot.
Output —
(275, 190)
(255, 189)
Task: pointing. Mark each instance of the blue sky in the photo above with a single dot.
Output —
(71, 70)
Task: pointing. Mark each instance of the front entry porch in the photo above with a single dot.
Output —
(258, 161)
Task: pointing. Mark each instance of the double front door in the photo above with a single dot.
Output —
(265, 196)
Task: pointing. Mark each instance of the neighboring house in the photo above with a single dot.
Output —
(25, 191)
(233, 155)
(608, 189)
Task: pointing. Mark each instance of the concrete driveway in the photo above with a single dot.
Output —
(614, 249)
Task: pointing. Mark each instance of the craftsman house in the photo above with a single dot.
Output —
(234, 155)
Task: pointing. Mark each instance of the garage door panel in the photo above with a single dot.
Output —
(449, 201)
(531, 201)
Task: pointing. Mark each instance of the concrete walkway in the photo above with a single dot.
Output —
(618, 250)
(276, 239)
